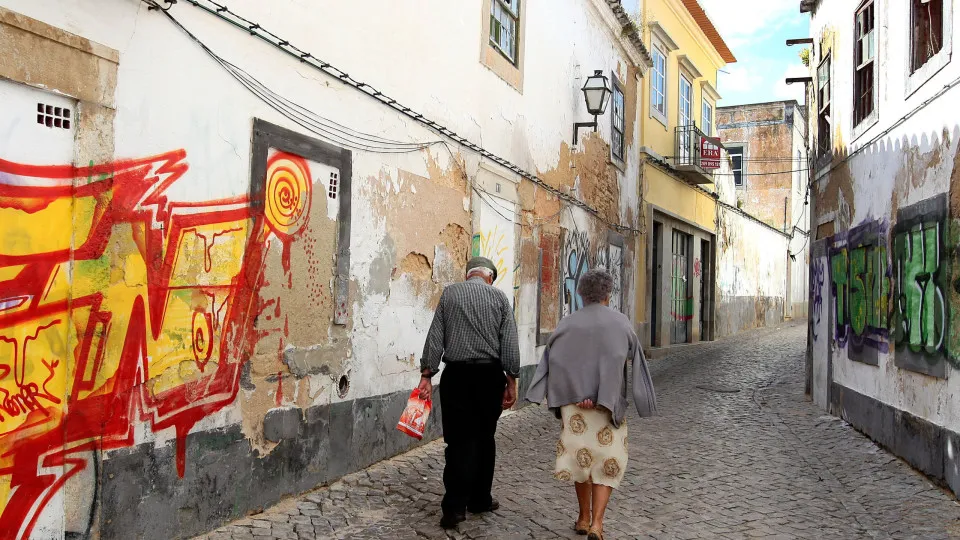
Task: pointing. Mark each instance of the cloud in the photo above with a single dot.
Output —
(783, 91)
(742, 22)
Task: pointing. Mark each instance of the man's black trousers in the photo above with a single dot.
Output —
(471, 398)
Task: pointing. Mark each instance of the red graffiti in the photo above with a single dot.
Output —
(120, 305)
(697, 268)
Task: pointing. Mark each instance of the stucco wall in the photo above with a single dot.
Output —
(751, 265)
(885, 212)
(317, 364)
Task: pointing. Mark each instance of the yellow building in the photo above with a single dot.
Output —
(675, 287)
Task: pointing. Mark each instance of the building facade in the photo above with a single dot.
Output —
(675, 294)
(762, 274)
(224, 229)
(884, 294)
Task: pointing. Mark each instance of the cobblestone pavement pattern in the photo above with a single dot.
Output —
(760, 463)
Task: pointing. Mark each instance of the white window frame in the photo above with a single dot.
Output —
(858, 129)
(706, 118)
(681, 97)
(743, 163)
(938, 61)
(661, 42)
(505, 5)
(685, 141)
(658, 57)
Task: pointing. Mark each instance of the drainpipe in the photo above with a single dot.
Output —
(785, 199)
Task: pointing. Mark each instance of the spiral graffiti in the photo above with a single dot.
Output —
(287, 194)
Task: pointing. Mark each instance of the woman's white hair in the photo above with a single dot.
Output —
(480, 271)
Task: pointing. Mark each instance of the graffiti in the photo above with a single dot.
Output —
(895, 296)
(576, 263)
(697, 268)
(816, 296)
(918, 314)
(578, 258)
(494, 245)
(127, 306)
(860, 282)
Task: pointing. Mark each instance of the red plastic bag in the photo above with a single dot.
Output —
(413, 421)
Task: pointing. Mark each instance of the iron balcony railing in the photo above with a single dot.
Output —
(688, 145)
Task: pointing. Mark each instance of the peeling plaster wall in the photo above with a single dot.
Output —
(751, 266)
(887, 359)
(315, 398)
(774, 183)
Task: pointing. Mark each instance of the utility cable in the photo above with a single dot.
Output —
(224, 13)
(327, 129)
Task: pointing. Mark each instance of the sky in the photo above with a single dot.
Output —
(756, 31)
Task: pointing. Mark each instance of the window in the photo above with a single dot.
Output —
(706, 118)
(926, 31)
(685, 119)
(823, 101)
(736, 164)
(864, 62)
(658, 83)
(504, 26)
(686, 100)
(617, 122)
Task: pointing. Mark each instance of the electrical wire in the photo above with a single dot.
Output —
(320, 126)
(256, 30)
(940, 93)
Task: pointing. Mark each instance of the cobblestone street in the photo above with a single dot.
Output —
(738, 452)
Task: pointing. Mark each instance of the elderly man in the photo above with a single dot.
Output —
(475, 335)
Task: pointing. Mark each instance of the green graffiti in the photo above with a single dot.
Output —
(858, 291)
(475, 248)
(918, 317)
(861, 289)
(839, 276)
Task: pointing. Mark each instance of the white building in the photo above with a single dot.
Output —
(884, 299)
(225, 240)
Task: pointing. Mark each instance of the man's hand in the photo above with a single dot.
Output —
(586, 404)
(426, 388)
(510, 393)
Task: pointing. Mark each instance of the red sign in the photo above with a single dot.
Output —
(709, 153)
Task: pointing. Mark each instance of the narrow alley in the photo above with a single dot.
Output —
(737, 452)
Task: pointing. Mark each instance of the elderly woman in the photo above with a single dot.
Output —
(583, 377)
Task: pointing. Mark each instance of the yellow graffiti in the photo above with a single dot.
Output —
(494, 246)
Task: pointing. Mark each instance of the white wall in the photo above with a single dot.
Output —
(170, 95)
(751, 265)
(912, 163)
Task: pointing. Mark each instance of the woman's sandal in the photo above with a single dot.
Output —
(581, 527)
(595, 534)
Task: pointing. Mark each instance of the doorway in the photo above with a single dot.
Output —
(680, 297)
(655, 288)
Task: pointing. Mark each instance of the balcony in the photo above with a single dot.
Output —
(697, 155)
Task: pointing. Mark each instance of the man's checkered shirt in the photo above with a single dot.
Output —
(474, 321)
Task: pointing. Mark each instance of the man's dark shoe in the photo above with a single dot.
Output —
(449, 521)
(493, 507)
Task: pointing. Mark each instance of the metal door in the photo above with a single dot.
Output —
(681, 307)
(656, 289)
(704, 274)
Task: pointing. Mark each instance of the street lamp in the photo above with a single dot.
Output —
(596, 93)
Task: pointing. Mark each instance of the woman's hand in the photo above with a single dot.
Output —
(586, 404)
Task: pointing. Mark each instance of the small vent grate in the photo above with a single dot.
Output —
(53, 117)
(334, 185)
